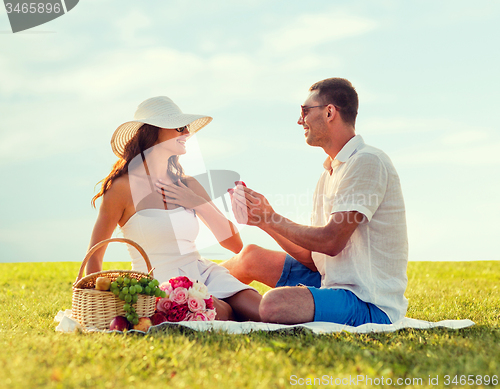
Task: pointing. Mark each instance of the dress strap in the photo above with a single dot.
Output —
(151, 181)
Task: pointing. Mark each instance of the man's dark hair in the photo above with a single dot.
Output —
(341, 93)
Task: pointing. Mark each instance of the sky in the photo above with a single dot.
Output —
(426, 73)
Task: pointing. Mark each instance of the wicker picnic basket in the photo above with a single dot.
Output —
(96, 309)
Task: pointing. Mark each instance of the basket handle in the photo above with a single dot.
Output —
(106, 241)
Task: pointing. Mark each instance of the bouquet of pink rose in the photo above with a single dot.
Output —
(185, 301)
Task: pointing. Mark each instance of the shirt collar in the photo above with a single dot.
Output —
(349, 149)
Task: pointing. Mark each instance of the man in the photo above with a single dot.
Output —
(353, 257)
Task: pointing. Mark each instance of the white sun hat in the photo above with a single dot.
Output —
(158, 111)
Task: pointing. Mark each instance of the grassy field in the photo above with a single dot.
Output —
(33, 355)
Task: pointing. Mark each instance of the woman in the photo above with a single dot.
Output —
(156, 205)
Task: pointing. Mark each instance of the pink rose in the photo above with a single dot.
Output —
(199, 316)
(209, 303)
(181, 282)
(196, 304)
(179, 295)
(189, 316)
(164, 305)
(211, 314)
(178, 312)
(166, 287)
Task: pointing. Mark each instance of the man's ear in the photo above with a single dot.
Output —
(330, 113)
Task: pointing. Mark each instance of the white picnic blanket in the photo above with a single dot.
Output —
(67, 324)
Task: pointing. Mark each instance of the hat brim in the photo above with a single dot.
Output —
(127, 131)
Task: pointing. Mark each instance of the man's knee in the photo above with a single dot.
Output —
(287, 305)
(243, 266)
(249, 253)
(249, 258)
(270, 306)
(255, 263)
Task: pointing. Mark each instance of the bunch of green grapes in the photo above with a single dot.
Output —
(128, 289)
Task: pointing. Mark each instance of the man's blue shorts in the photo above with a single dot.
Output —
(331, 305)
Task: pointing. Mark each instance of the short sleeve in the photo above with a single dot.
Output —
(362, 185)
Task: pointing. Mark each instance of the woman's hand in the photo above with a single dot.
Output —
(179, 194)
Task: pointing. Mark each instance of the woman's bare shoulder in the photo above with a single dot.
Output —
(120, 184)
(119, 190)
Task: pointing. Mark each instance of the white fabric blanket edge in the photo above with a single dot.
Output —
(68, 324)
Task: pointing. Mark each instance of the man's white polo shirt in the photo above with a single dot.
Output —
(373, 264)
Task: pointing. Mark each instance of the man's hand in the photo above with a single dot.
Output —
(250, 207)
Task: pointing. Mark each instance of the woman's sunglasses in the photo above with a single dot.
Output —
(181, 129)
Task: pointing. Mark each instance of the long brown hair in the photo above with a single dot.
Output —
(146, 137)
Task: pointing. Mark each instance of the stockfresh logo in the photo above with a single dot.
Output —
(25, 15)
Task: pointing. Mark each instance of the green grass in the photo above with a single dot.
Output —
(33, 355)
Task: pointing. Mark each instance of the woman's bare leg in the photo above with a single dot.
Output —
(223, 310)
(245, 305)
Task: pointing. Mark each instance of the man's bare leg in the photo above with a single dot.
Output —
(287, 305)
(255, 263)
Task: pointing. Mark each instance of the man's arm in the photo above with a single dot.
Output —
(330, 239)
(299, 253)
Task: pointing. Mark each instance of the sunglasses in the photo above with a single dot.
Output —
(181, 129)
(304, 109)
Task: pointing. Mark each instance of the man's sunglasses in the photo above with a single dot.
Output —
(304, 109)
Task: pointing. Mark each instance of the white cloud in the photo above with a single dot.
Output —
(466, 137)
(401, 125)
(310, 30)
(451, 12)
(41, 128)
(485, 154)
(453, 131)
(443, 141)
(130, 25)
(98, 90)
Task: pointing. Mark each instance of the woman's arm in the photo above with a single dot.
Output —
(224, 230)
(111, 210)
(194, 196)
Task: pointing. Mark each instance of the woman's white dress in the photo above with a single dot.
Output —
(168, 237)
